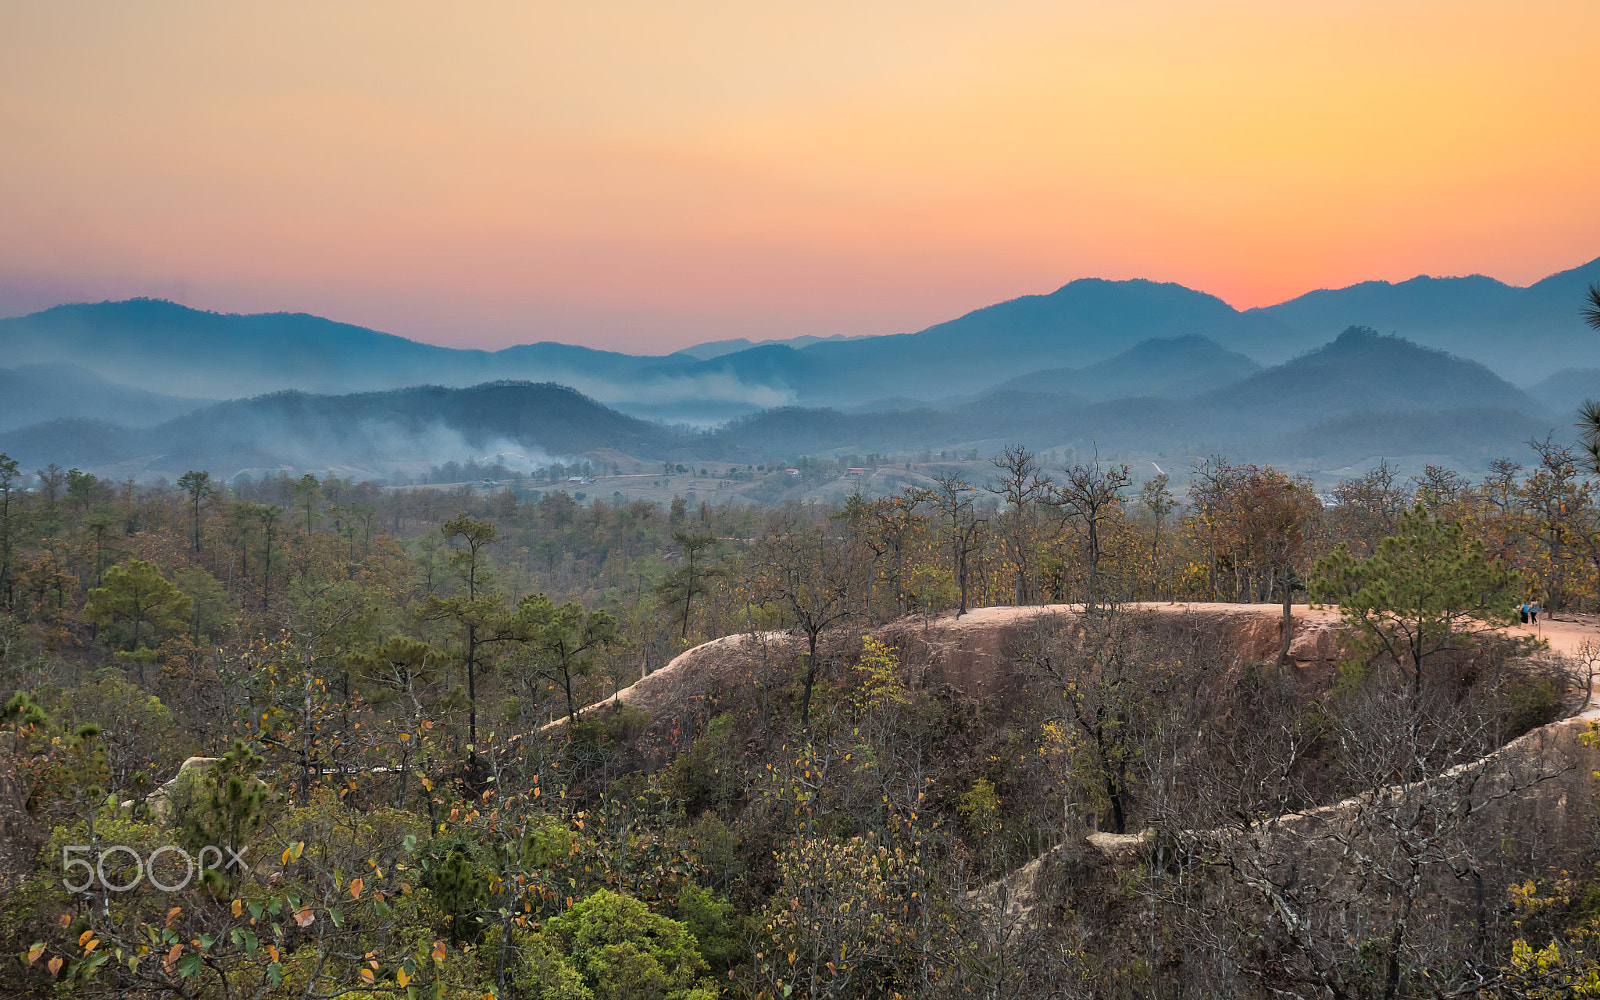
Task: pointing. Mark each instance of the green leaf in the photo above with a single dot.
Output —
(337, 915)
(189, 965)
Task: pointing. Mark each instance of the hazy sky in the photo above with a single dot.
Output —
(644, 175)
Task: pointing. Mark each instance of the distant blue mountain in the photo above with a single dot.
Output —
(1524, 334)
(171, 349)
(1365, 395)
(1173, 368)
(1361, 396)
(1078, 325)
(1564, 391)
(373, 431)
(32, 394)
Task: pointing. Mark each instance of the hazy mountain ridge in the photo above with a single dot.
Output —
(30, 394)
(1362, 370)
(1522, 333)
(162, 346)
(1174, 367)
(717, 348)
(423, 426)
(1082, 323)
(1364, 392)
(1567, 389)
(1361, 396)
(1463, 437)
(1122, 365)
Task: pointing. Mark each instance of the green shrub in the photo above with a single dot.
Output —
(625, 952)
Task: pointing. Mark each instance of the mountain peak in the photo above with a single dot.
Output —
(1355, 336)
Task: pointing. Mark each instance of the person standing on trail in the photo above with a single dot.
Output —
(1524, 612)
(1533, 612)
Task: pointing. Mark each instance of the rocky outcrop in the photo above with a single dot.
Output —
(160, 801)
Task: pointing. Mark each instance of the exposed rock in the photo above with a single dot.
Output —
(1119, 848)
(160, 800)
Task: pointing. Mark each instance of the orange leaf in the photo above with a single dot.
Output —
(238, 907)
(35, 952)
(355, 888)
(83, 938)
(304, 916)
(54, 965)
(367, 976)
(172, 956)
(401, 977)
(438, 951)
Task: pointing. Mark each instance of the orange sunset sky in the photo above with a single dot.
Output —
(645, 175)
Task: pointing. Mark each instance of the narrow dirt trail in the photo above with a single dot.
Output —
(1569, 637)
(673, 682)
(1565, 636)
(669, 685)
(673, 678)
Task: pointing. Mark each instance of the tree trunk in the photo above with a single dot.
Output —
(811, 677)
(472, 688)
(572, 709)
(1288, 617)
(1119, 818)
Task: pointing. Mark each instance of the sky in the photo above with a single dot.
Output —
(642, 176)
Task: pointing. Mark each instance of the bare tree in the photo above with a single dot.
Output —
(808, 573)
(1561, 503)
(1159, 501)
(1392, 881)
(1090, 495)
(1022, 484)
(1368, 508)
(955, 499)
(1109, 678)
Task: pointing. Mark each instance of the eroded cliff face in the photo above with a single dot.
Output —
(973, 657)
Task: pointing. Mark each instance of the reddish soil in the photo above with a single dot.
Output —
(966, 651)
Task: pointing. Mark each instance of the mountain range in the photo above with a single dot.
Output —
(1119, 366)
(1363, 395)
(1523, 334)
